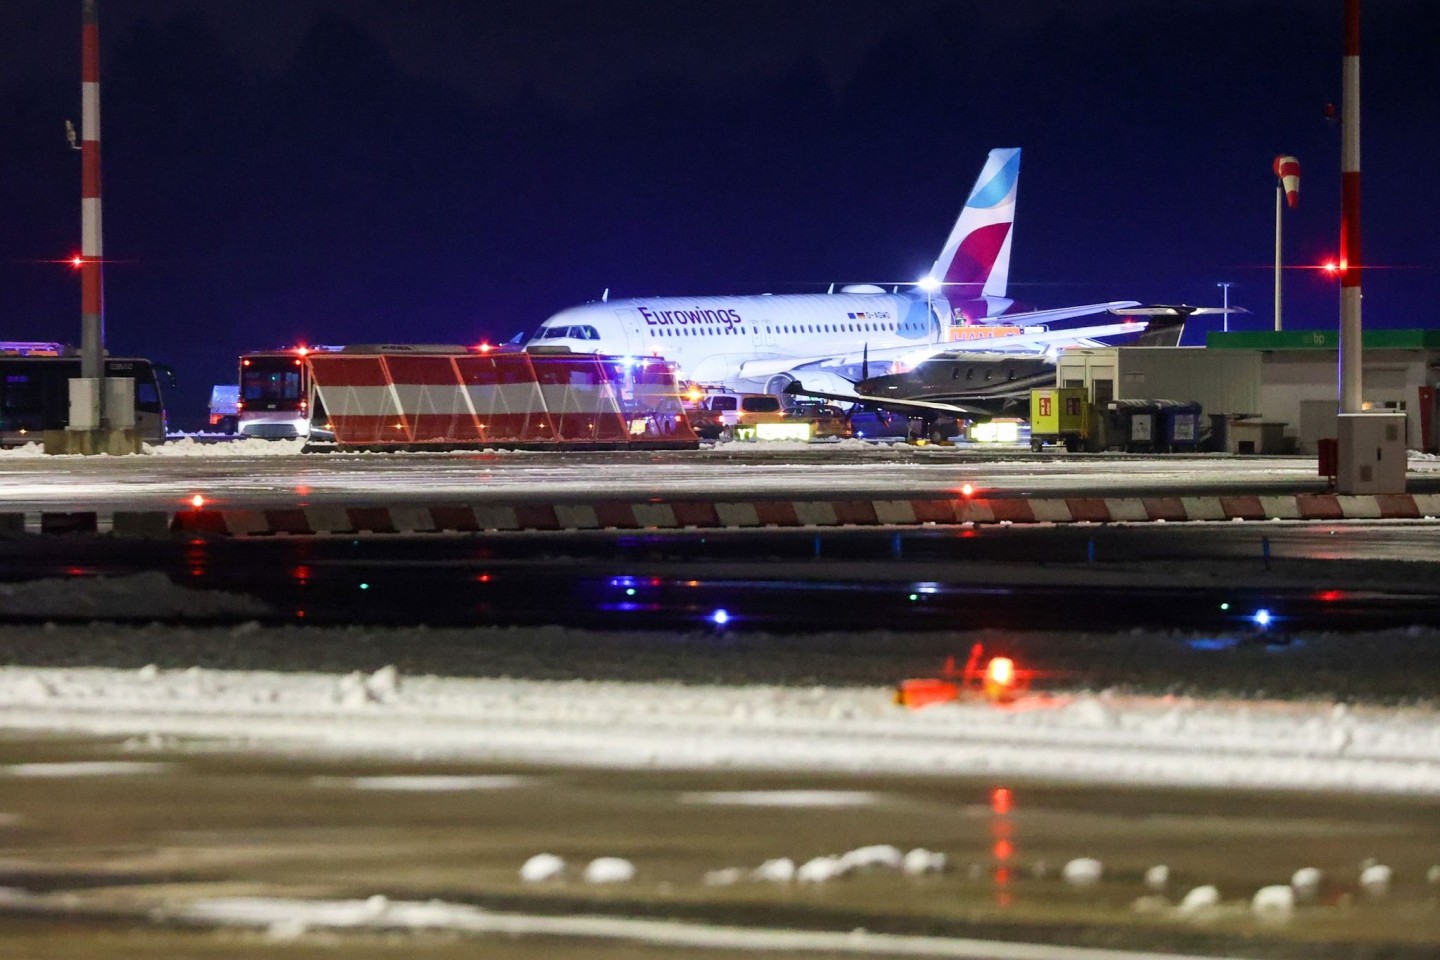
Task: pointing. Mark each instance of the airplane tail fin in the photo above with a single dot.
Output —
(976, 258)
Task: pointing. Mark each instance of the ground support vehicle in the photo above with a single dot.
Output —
(1059, 415)
(224, 408)
(827, 422)
(743, 415)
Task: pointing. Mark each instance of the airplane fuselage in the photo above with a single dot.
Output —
(713, 338)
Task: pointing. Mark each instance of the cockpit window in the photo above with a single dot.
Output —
(577, 332)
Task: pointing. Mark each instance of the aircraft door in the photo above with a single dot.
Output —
(634, 331)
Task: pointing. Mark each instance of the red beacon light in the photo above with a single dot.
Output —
(1330, 267)
(303, 351)
(485, 347)
(1000, 682)
(967, 490)
(197, 501)
(77, 261)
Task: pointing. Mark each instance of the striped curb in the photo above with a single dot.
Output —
(408, 519)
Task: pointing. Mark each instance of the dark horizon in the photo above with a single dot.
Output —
(370, 171)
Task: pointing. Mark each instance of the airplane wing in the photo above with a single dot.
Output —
(1026, 342)
(1038, 342)
(1171, 310)
(912, 408)
(1063, 313)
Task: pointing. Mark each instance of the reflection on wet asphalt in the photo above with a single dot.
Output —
(207, 823)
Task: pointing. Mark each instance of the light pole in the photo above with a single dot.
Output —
(1224, 286)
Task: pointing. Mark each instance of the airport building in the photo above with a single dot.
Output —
(1270, 392)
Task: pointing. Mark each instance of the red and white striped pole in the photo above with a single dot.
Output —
(92, 298)
(1350, 263)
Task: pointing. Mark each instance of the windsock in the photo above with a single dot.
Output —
(1287, 168)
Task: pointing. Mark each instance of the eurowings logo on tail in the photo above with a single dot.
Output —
(976, 257)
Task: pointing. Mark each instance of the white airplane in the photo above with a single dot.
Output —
(766, 342)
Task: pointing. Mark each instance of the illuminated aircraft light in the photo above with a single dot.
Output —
(999, 683)
(1262, 618)
(302, 350)
(485, 348)
(1331, 267)
(927, 588)
(720, 617)
(968, 490)
(928, 284)
(197, 501)
(77, 262)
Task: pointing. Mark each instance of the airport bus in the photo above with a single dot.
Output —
(35, 391)
(275, 393)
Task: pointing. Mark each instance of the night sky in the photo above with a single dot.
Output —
(345, 171)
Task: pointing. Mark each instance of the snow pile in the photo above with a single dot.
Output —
(140, 595)
(821, 870)
(875, 857)
(1274, 903)
(82, 768)
(783, 798)
(1200, 899)
(240, 447)
(609, 870)
(542, 867)
(1157, 877)
(434, 783)
(1375, 879)
(778, 870)
(921, 861)
(1306, 882)
(1083, 872)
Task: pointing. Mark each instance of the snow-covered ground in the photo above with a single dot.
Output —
(1082, 736)
(261, 472)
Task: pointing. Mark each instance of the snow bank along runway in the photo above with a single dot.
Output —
(1082, 736)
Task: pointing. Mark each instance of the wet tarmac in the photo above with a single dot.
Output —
(107, 857)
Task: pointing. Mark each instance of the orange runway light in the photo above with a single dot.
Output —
(999, 684)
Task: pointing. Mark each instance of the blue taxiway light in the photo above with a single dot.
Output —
(720, 617)
(1262, 618)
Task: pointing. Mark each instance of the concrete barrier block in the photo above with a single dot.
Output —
(737, 514)
(490, 517)
(1051, 511)
(897, 512)
(80, 521)
(577, 516)
(1204, 508)
(140, 524)
(815, 513)
(1280, 508)
(657, 515)
(328, 518)
(412, 519)
(1127, 510)
(1360, 507)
